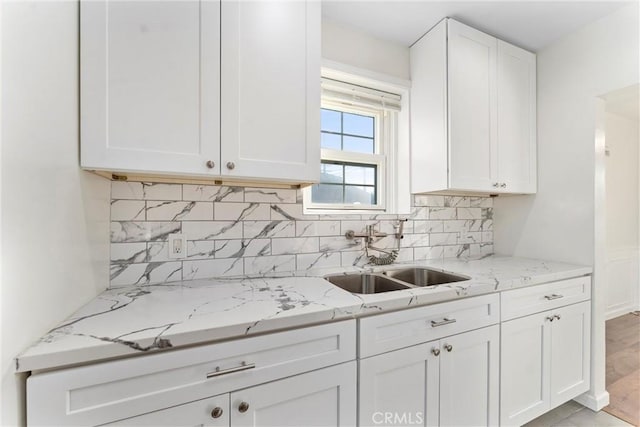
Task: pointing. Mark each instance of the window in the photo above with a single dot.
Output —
(358, 139)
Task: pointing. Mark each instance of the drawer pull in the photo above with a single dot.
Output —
(552, 297)
(444, 321)
(243, 367)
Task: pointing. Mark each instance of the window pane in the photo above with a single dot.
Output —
(326, 193)
(355, 124)
(359, 145)
(330, 120)
(330, 172)
(359, 195)
(331, 141)
(360, 175)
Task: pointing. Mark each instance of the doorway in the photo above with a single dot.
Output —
(622, 252)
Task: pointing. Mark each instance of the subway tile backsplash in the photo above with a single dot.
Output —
(241, 230)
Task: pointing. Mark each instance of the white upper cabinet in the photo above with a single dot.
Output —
(150, 74)
(516, 142)
(473, 113)
(271, 89)
(472, 102)
(200, 88)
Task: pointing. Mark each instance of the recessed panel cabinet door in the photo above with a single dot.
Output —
(525, 369)
(326, 397)
(570, 347)
(211, 412)
(472, 101)
(400, 387)
(271, 89)
(150, 84)
(469, 378)
(517, 119)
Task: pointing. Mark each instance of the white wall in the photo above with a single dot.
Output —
(350, 46)
(622, 214)
(54, 216)
(559, 221)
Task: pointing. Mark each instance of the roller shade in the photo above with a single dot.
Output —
(350, 94)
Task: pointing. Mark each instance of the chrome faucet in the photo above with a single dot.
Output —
(371, 234)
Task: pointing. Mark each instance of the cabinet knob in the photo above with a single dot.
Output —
(550, 318)
(496, 185)
(556, 316)
(231, 165)
(503, 185)
(448, 347)
(211, 164)
(243, 407)
(435, 351)
(217, 412)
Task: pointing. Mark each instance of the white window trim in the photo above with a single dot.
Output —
(394, 189)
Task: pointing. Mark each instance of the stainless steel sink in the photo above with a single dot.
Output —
(365, 283)
(421, 276)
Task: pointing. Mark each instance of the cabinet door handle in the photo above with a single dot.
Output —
(217, 412)
(496, 185)
(243, 367)
(243, 407)
(550, 318)
(552, 297)
(448, 347)
(503, 185)
(556, 316)
(435, 351)
(444, 321)
(231, 165)
(211, 164)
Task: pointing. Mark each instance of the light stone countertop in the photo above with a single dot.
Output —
(142, 319)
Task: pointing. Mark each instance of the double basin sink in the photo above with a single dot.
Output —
(392, 280)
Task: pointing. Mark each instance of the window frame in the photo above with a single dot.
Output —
(394, 193)
(377, 159)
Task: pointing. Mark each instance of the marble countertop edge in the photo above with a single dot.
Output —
(121, 322)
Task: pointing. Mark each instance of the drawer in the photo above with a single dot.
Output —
(108, 391)
(387, 332)
(534, 299)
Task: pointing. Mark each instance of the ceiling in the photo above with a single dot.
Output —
(528, 24)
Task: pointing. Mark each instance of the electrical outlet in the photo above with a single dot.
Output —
(177, 246)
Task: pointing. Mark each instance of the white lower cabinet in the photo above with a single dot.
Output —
(545, 361)
(426, 384)
(300, 377)
(326, 397)
(447, 364)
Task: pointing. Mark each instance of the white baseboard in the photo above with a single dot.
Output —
(595, 403)
(614, 312)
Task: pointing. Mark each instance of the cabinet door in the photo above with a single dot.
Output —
(212, 412)
(150, 86)
(400, 387)
(326, 397)
(570, 352)
(525, 367)
(516, 119)
(472, 103)
(469, 376)
(271, 89)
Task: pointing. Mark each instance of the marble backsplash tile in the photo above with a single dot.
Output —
(241, 230)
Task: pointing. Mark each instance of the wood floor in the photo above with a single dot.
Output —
(623, 367)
